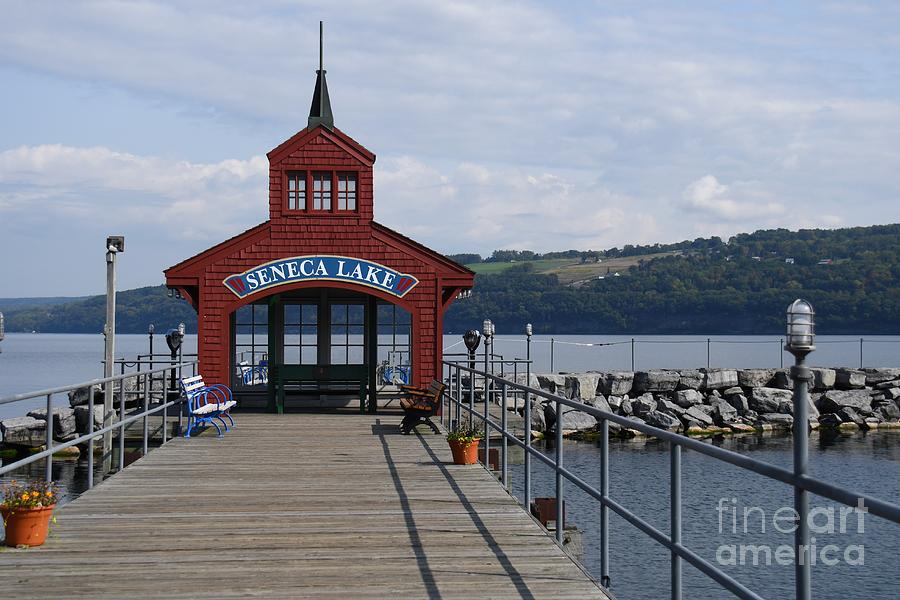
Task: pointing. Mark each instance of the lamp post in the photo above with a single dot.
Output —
(471, 338)
(800, 341)
(487, 328)
(150, 331)
(527, 415)
(2, 330)
(114, 245)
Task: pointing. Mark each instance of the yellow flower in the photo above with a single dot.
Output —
(25, 496)
(48, 493)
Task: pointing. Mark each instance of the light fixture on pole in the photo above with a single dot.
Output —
(800, 341)
(527, 415)
(114, 245)
(487, 328)
(150, 331)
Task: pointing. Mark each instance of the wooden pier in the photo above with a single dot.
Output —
(299, 506)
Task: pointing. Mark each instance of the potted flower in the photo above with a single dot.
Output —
(27, 509)
(463, 440)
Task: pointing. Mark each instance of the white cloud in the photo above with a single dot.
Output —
(740, 201)
(102, 185)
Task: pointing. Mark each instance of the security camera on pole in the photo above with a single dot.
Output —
(114, 245)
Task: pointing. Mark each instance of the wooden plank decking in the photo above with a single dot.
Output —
(297, 506)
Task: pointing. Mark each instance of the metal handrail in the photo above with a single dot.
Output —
(120, 424)
(672, 541)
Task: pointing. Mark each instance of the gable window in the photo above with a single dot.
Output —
(321, 186)
(346, 191)
(297, 190)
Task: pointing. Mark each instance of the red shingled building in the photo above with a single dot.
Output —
(315, 298)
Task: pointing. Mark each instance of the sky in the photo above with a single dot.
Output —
(526, 125)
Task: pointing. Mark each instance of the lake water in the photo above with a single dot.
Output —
(639, 469)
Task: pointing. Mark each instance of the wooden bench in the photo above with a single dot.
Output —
(419, 405)
(206, 403)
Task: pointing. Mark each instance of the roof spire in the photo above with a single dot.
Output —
(320, 111)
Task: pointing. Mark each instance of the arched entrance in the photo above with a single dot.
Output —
(319, 347)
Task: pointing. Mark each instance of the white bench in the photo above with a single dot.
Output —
(206, 404)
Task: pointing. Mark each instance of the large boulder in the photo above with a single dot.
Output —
(769, 400)
(63, 420)
(81, 418)
(626, 408)
(615, 402)
(687, 398)
(81, 396)
(848, 415)
(656, 381)
(876, 376)
(691, 379)
(661, 420)
(24, 431)
(723, 412)
(782, 380)
(600, 403)
(667, 406)
(751, 378)
(582, 386)
(889, 411)
(615, 383)
(834, 400)
(850, 379)
(551, 382)
(823, 379)
(777, 420)
(695, 414)
(643, 404)
(576, 420)
(719, 379)
(739, 402)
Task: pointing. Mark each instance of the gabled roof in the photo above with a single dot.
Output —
(440, 261)
(237, 242)
(336, 136)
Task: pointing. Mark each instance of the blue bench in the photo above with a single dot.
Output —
(206, 404)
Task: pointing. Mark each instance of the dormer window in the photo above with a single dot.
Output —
(346, 191)
(297, 190)
(322, 191)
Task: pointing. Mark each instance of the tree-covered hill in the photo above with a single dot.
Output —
(852, 277)
(135, 310)
(703, 286)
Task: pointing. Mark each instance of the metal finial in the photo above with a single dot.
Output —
(320, 111)
(321, 45)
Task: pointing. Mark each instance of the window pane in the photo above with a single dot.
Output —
(291, 339)
(309, 356)
(310, 314)
(261, 335)
(243, 314)
(338, 314)
(291, 355)
(309, 335)
(339, 334)
(356, 314)
(242, 330)
(356, 355)
(292, 314)
(261, 313)
(339, 355)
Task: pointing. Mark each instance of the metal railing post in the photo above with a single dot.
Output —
(49, 437)
(457, 407)
(504, 465)
(559, 477)
(146, 407)
(860, 353)
(604, 509)
(708, 342)
(121, 424)
(471, 416)
(632, 354)
(165, 412)
(487, 429)
(675, 517)
(781, 352)
(91, 438)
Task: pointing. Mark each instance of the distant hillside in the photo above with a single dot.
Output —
(136, 309)
(704, 286)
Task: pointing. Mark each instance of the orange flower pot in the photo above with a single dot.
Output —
(27, 526)
(464, 453)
